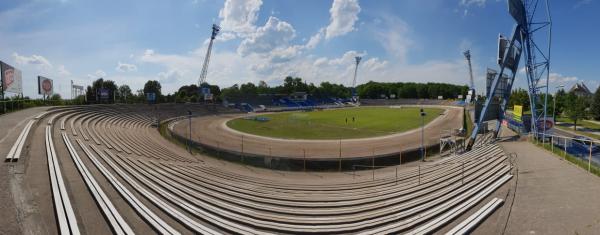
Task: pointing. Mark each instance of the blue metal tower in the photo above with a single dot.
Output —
(530, 24)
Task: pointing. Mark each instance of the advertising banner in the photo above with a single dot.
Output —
(518, 112)
(545, 124)
(45, 86)
(104, 93)
(151, 97)
(11, 79)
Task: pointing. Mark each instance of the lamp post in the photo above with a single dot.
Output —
(190, 131)
(554, 105)
(423, 134)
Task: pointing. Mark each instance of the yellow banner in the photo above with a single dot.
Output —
(518, 112)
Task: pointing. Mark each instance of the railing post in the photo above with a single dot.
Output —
(304, 161)
(544, 139)
(565, 154)
(340, 162)
(242, 148)
(373, 173)
(590, 156)
(400, 163)
(218, 150)
(419, 174)
(552, 140)
(463, 174)
(396, 175)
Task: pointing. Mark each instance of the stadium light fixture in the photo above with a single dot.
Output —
(190, 131)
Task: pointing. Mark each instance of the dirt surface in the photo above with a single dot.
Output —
(213, 131)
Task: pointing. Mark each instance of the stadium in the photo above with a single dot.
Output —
(298, 158)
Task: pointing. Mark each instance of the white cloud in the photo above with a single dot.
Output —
(36, 60)
(239, 15)
(315, 39)
(374, 64)
(123, 67)
(98, 74)
(467, 3)
(560, 79)
(171, 76)
(274, 34)
(347, 59)
(581, 3)
(392, 33)
(62, 71)
(148, 52)
(225, 36)
(320, 61)
(344, 13)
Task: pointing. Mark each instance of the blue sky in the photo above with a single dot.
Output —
(131, 42)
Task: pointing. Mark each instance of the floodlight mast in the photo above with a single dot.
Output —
(467, 54)
(354, 94)
(202, 78)
(537, 64)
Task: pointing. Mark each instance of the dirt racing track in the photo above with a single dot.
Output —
(105, 169)
(213, 131)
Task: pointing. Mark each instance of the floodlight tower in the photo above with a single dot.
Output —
(532, 19)
(354, 94)
(471, 94)
(202, 78)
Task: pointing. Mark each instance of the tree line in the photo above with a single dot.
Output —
(568, 104)
(239, 92)
(370, 90)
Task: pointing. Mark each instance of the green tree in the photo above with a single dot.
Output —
(93, 92)
(124, 93)
(575, 108)
(595, 107)
(561, 100)
(55, 97)
(152, 86)
(519, 97)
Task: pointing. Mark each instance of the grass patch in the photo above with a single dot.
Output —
(331, 124)
(593, 136)
(580, 123)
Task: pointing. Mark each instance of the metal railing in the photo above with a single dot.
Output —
(575, 150)
(7, 106)
(510, 160)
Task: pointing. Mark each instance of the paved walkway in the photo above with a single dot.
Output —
(552, 195)
(11, 125)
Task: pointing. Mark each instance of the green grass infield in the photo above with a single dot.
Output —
(347, 123)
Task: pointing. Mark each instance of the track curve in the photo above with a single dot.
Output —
(213, 131)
